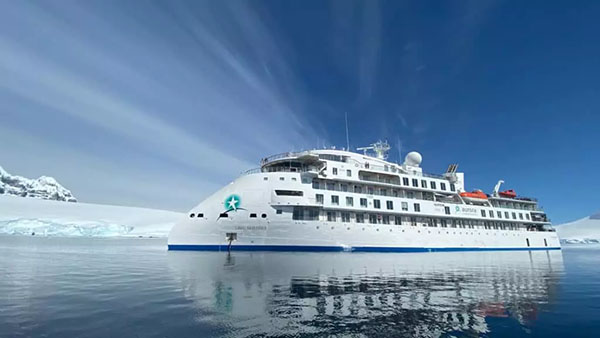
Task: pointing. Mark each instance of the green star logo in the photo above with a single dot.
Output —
(233, 202)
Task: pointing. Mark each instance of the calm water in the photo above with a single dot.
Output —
(52, 287)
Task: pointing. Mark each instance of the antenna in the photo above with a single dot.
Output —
(347, 137)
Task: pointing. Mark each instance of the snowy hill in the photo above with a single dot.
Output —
(44, 187)
(585, 230)
(27, 216)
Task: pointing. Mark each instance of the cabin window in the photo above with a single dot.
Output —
(297, 213)
(389, 205)
(444, 223)
(349, 201)
(527, 216)
(263, 215)
(279, 212)
(319, 198)
(452, 187)
(223, 215)
(281, 178)
(331, 216)
(348, 172)
(447, 210)
(395, 193)
(506, 215)
(491, 213)
(376, 204)
(372, 219)
(288, 193)
(334, 171)
(330, 186)
(360, 218)
(252, 215)
(415, 182)
(363, 202)
(405, 180)
(315, 184)
(443, 186)
(433, 185)
(385, 219)
(404, 206)
(370, 190)
(499, 213)
(346, 217)
(265, 178)
(482, 213)
(423, 184)
(344, 187)
(200, 215)
(417, 207)
(520, 215)
(410, 194)
(383, 192)
(358, 189)
(192, 215)
(335, 200)
(294, 179)
(514, 215)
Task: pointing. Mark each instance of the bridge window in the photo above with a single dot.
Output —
(433, 185)
(288, 193)
(405, 180)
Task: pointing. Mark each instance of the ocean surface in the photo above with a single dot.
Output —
(59, 287)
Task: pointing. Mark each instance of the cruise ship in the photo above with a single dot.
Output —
(340, 200)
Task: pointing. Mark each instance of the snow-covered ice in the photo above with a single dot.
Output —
(585, 230)
(26, 216)
(44, 187)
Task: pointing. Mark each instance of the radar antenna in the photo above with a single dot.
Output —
(380, 148)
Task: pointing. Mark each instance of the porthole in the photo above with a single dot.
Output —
(317, 226)
(363, 229)
(377, 229)
(348, 228)
(192, 215)
(390, 230)
(263, 215)
(265, 178)
(331, 228)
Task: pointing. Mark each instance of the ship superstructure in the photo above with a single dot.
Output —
(333, 200)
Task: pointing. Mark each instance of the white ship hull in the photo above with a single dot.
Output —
(278, 231)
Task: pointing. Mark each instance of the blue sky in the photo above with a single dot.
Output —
(160, 103)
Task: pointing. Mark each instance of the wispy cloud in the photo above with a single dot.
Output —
(205, 86)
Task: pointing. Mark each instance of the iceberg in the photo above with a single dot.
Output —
(38, 217)
(582, 231)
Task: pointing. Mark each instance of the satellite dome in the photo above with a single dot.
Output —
(413, 159)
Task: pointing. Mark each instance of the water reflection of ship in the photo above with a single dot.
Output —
(405, 294)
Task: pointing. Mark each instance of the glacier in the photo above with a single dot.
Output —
(581, 231)
(39, 217)
(44, 187)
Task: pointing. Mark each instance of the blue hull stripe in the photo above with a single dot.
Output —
(335, 248)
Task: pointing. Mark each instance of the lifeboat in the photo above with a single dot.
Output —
(475, 194)
(508, 193)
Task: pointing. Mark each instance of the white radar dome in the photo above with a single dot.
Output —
(413, 159)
